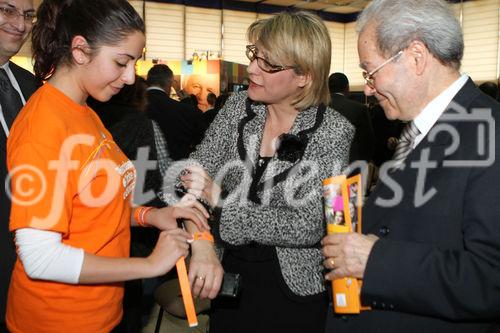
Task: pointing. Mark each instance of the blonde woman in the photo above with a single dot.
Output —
(268, 150)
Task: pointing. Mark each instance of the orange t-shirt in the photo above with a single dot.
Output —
(70, 177)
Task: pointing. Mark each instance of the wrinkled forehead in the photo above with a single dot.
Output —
(368, 47)
(367, 38)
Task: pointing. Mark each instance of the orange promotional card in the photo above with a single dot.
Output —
(355, 201)
(343, 198)
(335, 195)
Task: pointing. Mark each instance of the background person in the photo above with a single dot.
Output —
(270, 223)
(432, 261)
(387, 132)
(489, 88)
(181, 124)
(209, 115)
(73, 241)
(192, 101)
(200, 86)
(363, 145)
(211, 99)
(16, 86)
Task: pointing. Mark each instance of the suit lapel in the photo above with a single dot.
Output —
(27, 82)
(28, 85)
(16, 72)
(252, 131)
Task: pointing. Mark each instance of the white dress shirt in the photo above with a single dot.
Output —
(431, 113)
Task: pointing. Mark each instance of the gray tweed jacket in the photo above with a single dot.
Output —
(289, 212)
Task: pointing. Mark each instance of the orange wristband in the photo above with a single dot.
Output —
(140, 215)
(205, 235)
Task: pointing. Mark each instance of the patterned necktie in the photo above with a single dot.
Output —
(9, 98)
(404, 145)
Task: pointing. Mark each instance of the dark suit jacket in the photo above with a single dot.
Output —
(28, 86)
(363, 145)
(181, 124)
(436, 266)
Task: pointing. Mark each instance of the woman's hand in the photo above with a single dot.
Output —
(197, 182)
(171, 245)
(205, 270)
(166, 218)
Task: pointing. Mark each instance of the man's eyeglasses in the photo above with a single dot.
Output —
(12, 13)
(369, 76)
(263, 64)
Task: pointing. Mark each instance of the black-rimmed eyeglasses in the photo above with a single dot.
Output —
(263, 64)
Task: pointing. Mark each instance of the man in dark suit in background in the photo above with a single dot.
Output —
(181, 125)
(16, 86)
(490, 89)
(386, 132)
(363, 145)
(431, 261)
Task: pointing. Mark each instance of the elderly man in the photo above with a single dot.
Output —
(431, 259)
(16, 86)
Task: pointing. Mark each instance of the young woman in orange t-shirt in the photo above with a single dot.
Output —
(73, 239)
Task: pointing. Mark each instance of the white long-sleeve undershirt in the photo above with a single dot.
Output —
(45, 257)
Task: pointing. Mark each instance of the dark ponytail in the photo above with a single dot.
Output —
(45, 46)
(100, 22)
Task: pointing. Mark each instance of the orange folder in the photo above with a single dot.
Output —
(336, 190)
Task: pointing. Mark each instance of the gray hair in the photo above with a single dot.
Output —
(399, 22)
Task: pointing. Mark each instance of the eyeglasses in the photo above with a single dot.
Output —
(12, 13)
(369, 76)
(263, 64)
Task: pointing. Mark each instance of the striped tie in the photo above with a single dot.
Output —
(405, 144)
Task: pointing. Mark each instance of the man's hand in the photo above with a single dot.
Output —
(346, 254)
